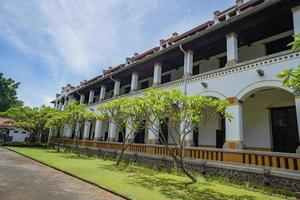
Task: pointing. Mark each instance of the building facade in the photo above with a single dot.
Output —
(10, 133)
(236, 56)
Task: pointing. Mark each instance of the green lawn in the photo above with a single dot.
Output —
(140, 182)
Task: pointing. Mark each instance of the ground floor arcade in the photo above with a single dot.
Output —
(264, 119)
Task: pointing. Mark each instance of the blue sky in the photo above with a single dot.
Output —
(46, 44)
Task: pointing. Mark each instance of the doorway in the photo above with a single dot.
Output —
(220, 133)
(285, 136)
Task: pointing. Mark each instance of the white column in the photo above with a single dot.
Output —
(63, 105)
(102, 93)
(153, 133)
(296, 19)
(51, 133)
(134, 81)
(68, 131)
(187, 130)
(234, 127)
(188, 63)
(77, 130)
(112, 132)
(98, 128)
(87, 128)
(91, 96)
(232, 49)
(157, 74)
(60, 105)
(82, 97)
(57, 105)
(116, 88)
(131, 136)
(297, 104)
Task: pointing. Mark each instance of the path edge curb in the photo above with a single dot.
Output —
(71, 174)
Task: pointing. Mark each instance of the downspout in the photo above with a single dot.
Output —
(184, 70)
(113, 80)
(79, 95)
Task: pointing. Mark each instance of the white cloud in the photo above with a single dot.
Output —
(75, 40)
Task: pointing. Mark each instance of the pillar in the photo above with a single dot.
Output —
(86, 132)
(153, 133)
(157, 75)
(234, 127)
(116, 88)
(77, 130)
(98, 129)
(68, 131)
(102, 93)
(91, 96)
(188, 132)
(112, 132)
(134, 81)
(56, 105)
(131, 136)
(82, 97)
(51, 133)
(297, 104)
(232, 49)
(296, 19)
(188, 63)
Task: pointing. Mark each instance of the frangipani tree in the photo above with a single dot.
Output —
(76, 115)
(57, 123)
(119, 111)
(184, 113)
(291, 77)
(31, 119)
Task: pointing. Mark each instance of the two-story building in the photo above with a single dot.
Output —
(235, 56)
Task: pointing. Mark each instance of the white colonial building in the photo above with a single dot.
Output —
(236, 56)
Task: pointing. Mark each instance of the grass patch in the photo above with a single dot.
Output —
(140, 182)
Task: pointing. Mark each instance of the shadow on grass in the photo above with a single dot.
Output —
(82, 157)
(128, 168)
(171, 188)
(69, 155)
(174, 189)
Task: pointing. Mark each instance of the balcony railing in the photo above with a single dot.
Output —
(239, 67)
(267, 159)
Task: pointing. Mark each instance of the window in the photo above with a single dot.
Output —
(222, 61)
(166, 78)
(127, 90)
(278, 45)
(23, 132)
(144, 84)
(16, 131)
(196, 69)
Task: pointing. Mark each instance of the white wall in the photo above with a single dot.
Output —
(173, 136)
(207, 133)
(19, 136)
(256, 115)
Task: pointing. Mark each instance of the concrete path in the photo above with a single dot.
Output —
(25, 179)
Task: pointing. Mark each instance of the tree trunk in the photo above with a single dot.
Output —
(58, 145)
(181, 164)
(124, 147)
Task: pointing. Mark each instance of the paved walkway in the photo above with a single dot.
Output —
(24, 179)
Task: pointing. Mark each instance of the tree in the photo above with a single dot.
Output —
(291, 77)
(57, 122)
(31, 119)
(118, 111)
(184, 113)
(76, 115)
(8, 94)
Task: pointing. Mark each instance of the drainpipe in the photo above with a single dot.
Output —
(184, 70)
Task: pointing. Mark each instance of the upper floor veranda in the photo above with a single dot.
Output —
(243, 45)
